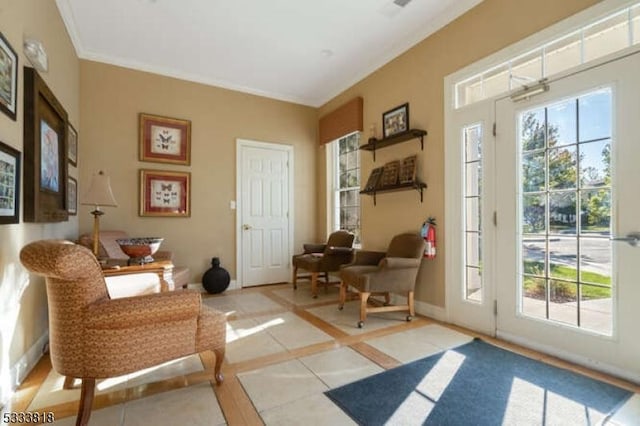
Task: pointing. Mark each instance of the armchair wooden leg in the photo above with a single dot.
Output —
(314, 285)
(86, 400)
(343, 294)
(412, 311)
(219, 358)
(364, 297)
(68, 382)
(294, 279)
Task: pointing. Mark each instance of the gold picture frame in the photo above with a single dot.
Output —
(165, 193)
(165, 140)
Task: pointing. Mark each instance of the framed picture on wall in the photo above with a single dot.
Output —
(72, 146)
(165, 193)
(72, 196)
(8, 78)
(395, 120)
(9, 184)
(45, 152)
(165, 140)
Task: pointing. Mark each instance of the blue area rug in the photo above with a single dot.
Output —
(478, 384)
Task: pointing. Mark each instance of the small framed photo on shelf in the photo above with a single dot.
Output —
(9, 184)
(165, 140)
(408, 169)
(72, 196)
(390, 174)
(72, 146)
(165, 193)
(8, 78)
(395, 121)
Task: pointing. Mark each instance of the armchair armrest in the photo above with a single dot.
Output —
(143, 310)
(314, 248)
(339, 250)
(365, 257)
(399, 263)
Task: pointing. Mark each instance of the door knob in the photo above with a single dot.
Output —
(246, 227)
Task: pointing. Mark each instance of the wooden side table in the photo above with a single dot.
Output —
(163, 268)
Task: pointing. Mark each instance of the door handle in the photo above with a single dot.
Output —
(632, 238)
(246, 227)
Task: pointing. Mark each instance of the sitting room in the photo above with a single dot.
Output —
(365, 212)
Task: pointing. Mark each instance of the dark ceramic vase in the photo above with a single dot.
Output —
(216, 279)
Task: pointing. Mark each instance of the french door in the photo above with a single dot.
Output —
(567, 174)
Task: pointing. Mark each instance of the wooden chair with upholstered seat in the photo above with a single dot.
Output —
(93, 336)
(323, 258)
(374, 273)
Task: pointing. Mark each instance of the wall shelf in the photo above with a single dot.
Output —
(417, 185)
(374, 144)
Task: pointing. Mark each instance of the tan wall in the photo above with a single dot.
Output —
(23, 303)
(111, 99)
(417, 77)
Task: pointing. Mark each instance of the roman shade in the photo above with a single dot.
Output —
(342, 121)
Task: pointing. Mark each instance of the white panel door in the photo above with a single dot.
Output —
(567, 182)
(265, 213)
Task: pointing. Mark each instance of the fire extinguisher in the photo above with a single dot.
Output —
(428, 232)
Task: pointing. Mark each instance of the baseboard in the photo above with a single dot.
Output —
(233, 285)
(25, 364)
(423, 308)
(570, 356)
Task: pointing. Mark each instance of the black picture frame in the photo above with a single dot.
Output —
(9, 184)
(8, 78)
(72, 196)
(45, 152)
(72, 151)
(395, 121)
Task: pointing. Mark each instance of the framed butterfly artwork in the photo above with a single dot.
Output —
(165, 193)
(165, 140)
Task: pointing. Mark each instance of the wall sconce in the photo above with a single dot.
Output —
(34, 51)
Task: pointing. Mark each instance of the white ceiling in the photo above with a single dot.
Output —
(295, 50)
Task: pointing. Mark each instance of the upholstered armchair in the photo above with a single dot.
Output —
(323, 258)
(110, 249)
(382, 273)
(93, 336)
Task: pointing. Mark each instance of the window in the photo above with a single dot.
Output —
(594, 40)
(472, 140)
(345, 159)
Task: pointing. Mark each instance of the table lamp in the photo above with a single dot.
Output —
(98, 195)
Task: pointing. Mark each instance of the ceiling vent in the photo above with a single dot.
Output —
(401, 3)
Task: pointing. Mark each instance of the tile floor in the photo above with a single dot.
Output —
(284, 350)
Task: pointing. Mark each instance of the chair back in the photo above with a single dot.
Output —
(74, 280)
(340, 238)
(406, 245)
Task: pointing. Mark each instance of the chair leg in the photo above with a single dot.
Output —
(343, 294)
(387, 299)
(412, 311)
(68, 382)
(314, 285)
(364, 297)
(86, 400)
(219, 352)
(294, 279)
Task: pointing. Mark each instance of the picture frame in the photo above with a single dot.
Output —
(45, 152)
(374, 179)
(408, 169)
(165, 140)
(72, 196)
(395, 121)
(9, 185)
(8, 78)
(72, 146)
(390, 174)
(165, 193)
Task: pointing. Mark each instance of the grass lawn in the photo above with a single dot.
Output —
(564, 290)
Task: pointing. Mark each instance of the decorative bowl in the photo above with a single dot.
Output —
(140, 250)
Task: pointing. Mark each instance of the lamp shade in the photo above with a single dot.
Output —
(99, 192)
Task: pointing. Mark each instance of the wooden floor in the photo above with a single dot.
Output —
(236, 405)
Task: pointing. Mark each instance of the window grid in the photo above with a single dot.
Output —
(472, 198)
(478, 87)
(347, 184)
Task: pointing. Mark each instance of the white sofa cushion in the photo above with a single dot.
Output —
(132, 285)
